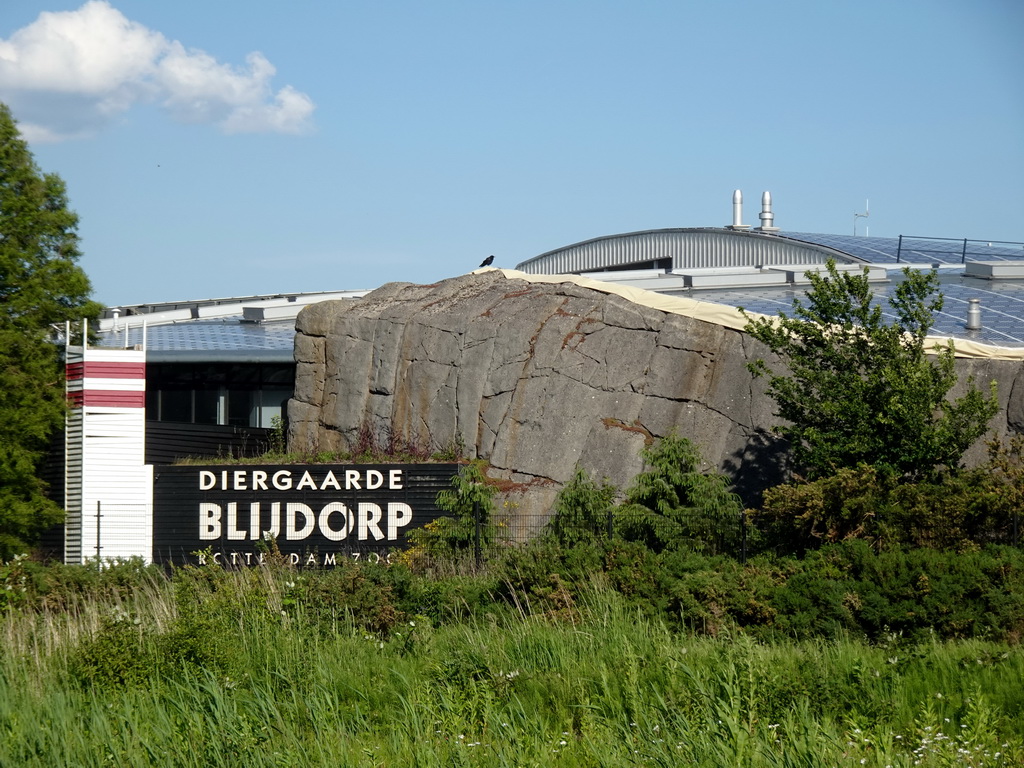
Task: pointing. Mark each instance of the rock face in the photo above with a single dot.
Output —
(538, 378)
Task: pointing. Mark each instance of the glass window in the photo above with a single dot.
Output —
(176, 405)
(279, 374)
(272, 403)
(249, 394)
(210, 406)
(243, 408)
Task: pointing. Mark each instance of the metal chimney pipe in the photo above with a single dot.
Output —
(767, 217)
(737, 211)
(974, 314)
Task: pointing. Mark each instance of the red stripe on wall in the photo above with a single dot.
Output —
(94, 370)
(107, 398)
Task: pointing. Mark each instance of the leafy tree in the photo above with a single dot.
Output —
(673, 504)
(41, 286)
(861, 390)
(581, 510)
(457, 533)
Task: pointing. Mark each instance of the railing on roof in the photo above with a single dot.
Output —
(962, 249)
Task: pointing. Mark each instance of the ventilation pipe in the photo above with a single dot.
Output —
(737, 212)
(974, 314)
(767, 217)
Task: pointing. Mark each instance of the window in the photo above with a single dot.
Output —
(245, 395)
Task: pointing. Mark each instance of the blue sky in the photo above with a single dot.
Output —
(229, 148)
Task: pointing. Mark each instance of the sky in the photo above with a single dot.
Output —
(232, 148)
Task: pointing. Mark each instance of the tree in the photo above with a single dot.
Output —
(469, 496)
(41, 286)
(673, 504)
(860, 390)
(582, 510)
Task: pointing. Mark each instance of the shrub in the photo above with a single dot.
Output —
(115, 656)
(912, 593)
(672, 504)
(451, 535)
(844, 505)
(545, 577)
(362, 593)
(961, 510)
(582, 510)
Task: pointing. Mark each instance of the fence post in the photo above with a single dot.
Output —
(476, 531)
(963, 255)
(98, 516)
(899, 249)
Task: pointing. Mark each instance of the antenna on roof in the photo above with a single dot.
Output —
(861, 216)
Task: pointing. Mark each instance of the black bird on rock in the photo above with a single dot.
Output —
(488, 261)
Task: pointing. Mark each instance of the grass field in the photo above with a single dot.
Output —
(216, 668)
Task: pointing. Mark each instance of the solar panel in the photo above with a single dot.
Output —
(230, 334)
(912, 250)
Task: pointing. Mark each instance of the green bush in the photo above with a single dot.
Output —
(582, 509)
(672, 504)
(914, 593)
(961, 510)
(366, 595)
(545, 577)
(451, 535)
(839, 589)
(453, 598)
(117, 655)
(30, 584)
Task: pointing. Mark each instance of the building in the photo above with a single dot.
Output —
(763, 269)
(209, 378)
(162, 382)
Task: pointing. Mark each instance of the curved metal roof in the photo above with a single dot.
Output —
(705, 248)
(687, 248)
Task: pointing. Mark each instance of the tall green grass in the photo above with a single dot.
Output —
(215, 668)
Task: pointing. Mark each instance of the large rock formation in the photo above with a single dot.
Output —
(539, 377)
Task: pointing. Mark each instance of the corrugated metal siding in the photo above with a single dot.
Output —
(114, 447)
(688, 249)
(73, 487)
(104, 461)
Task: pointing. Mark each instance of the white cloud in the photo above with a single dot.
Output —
(68, 74)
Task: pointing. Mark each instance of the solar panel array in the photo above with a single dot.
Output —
(913, 250)
(227, 334)
(1002, 306)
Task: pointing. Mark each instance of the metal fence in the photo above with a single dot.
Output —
(949, 250)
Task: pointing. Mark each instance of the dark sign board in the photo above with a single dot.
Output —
(315, 513)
